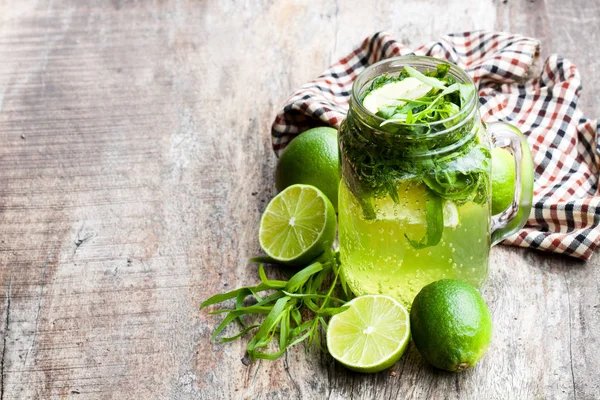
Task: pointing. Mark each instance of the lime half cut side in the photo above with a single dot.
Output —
(371, 335)
(297, 225)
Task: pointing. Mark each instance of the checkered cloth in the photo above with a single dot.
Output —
(565, 216)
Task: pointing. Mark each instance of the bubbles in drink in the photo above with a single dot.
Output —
(378, 258)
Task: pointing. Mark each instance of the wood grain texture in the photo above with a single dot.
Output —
(135, 161)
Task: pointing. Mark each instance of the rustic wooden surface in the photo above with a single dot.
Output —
(135, 162)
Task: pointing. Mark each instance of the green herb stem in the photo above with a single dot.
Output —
(311, 289)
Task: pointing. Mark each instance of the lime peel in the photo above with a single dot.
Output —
(451, 325)
(312, 158)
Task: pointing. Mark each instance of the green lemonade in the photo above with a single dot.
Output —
(414, 199)
(377, 258)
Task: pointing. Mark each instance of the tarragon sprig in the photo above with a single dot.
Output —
(295, 309)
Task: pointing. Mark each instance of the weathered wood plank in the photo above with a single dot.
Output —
(569, 29)
(134, 164)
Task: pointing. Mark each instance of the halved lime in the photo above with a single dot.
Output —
(297, 225)
(371, 335)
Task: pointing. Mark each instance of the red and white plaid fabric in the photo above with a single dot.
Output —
(565, 217)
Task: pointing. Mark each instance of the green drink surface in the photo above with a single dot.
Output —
(378, 258)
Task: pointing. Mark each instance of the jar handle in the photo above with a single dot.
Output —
(515, 215)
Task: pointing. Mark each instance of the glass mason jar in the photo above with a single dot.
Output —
(415, 200)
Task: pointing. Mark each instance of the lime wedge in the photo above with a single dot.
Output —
(451, 216)
(391, 94)
(371, 335)
(297, 225)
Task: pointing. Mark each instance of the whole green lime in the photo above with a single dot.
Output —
(450, 324)
(503, 179)
(311, 159)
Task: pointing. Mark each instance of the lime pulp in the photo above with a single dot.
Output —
(371, 335)
(297, 225)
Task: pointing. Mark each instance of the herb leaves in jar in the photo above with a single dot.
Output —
(420, 131)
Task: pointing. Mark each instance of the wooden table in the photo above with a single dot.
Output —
(135, 161)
